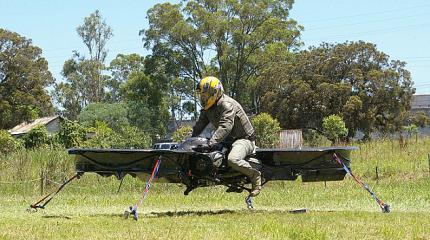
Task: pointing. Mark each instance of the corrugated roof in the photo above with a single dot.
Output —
(26, 127)
(420, 101)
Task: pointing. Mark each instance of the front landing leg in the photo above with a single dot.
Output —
(248, 201)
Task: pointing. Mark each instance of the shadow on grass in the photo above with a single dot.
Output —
(217, 212)
(57, 216)
(185, 213)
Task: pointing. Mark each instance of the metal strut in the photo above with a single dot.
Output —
(384, 207)
(51, 195)
(133, 209)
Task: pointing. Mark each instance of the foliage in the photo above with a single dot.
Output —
(353, 80)
(24, 75)
(314, 138)
(267, 130)
(163, 70)
(121, 67)
(84, 82)
(95, 33)
(420, 119)
(147, 107)
(411, 130)
(132, 137)
(126, 137)
(8, 143)
(102, 136)
(84, 85)
(114, 114)
(239, 38)
(334, 128)
(71, 134)
(182, 133)
(36, 137)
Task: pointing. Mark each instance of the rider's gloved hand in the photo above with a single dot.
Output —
(202, 148)
(210, 147)
(214, 146)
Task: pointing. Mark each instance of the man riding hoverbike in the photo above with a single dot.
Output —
(231, 124)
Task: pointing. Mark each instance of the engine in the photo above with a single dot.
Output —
(202, 163)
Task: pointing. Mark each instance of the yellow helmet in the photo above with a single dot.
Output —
(210, 90)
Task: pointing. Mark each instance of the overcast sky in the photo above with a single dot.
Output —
(401, 29)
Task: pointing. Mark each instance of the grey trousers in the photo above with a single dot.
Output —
(236, 158)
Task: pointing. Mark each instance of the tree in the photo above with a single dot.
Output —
(80, 88)
(353, 80)
(334, 128)
(182, 133)
(267, 130)
(113, 114)
(95, 33)
(71, 134)
(420, 119)
(125, 137)
(121, 67)
(85, 82)
(37, 137)
(146, 103)
(24, 75)
(8, 143)
(177, 90)
(242, 36)
(411, 130)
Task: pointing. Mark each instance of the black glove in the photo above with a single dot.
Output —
(202, 148)
(210, 147)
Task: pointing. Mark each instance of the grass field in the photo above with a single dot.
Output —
(89, 208)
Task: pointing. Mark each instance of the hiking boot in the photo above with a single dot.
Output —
(256, 184)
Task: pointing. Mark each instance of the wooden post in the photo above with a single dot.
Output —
(377, 175)
(428, 156)
(42, 181)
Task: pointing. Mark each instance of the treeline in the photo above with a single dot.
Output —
(253, 46)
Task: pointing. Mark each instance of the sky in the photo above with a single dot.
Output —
(400, 29)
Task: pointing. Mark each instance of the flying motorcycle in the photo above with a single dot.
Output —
(194, 166)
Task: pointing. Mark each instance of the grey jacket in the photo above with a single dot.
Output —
(228, 118)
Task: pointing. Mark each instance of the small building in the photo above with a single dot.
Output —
(421, 102)
(52, 124)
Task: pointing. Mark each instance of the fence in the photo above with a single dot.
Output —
(290, 138)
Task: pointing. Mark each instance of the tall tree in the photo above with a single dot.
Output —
(24, 75)
(121, 67)
(352, 79)
(85, 82)
(95, 33)
(146, 103)
(177, 90)
(234, 40)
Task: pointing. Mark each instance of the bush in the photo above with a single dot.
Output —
(420, 119)
(334, 128)
(182, 133)
(113, 114)
(132, 137)
(71, 134)
(8, 143)
(126, 137)
(313, 138)
(267, 130)
(37, 137)
(103, 136)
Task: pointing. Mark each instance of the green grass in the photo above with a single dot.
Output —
(89, 208)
